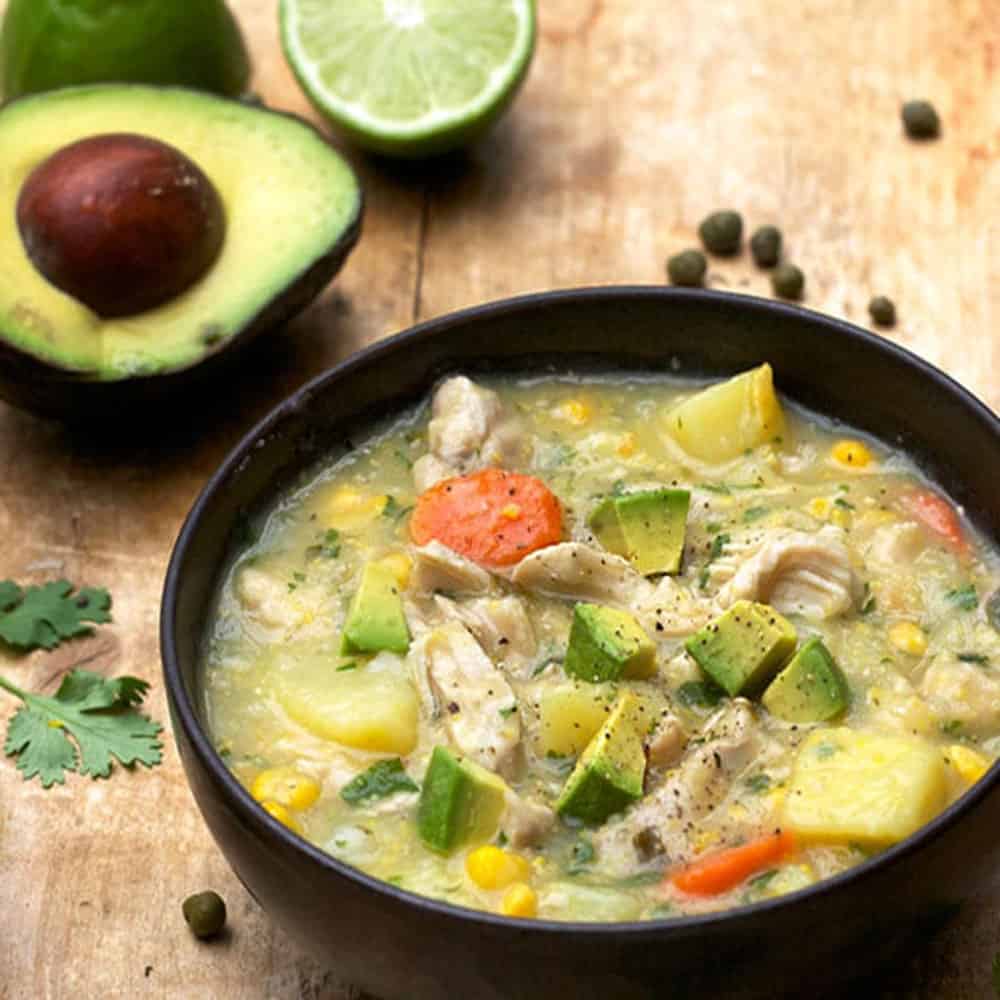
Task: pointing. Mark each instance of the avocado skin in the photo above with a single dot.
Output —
(64, 394)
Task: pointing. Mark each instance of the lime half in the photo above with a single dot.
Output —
(410, 77)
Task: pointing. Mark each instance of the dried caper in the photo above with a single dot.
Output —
(882, 310)
(788, 282)
(721, 232)
(765, 246)
(920, 119)
(205, 913)
(687, 268)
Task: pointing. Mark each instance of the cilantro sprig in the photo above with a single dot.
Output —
(90, 721)
(41, 617)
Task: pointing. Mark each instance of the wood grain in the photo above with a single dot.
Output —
(638, 118)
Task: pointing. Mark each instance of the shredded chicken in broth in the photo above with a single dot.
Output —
(609, 649)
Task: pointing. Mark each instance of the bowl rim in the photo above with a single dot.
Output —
(254, 817)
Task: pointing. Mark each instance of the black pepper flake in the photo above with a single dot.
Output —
(453, 707)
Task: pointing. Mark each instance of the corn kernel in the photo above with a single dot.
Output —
(626, 447)
(840, 517)
(519, 901)
(908, 638)
(819, 507)
(512, 512)
(289, 788)
(852, 453)
(494, 868)
(349, 509)
(400, 565)
(282, 815)
(576, 411)
(969, 765)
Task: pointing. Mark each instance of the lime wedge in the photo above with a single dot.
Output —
(410, 77)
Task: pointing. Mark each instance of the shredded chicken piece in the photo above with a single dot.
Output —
(525, 822)
(670, 610)
(469, 429)
(658, 826)
(266, 598)
(797, 573)
(581, 572)
(500, 624)
(438, 568)
(895, 544)
(473, 697)
(667, 743)
(963, 692)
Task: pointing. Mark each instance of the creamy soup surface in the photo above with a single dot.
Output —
(608, 648)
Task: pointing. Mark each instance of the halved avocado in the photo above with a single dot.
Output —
(292, 214)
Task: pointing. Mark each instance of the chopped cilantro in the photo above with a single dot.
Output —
(349, 665)
(762, 881)
(981, 659)
(581, 855)
(403, 457)
(868, 601)
(331, 543)
(720, 488)
(41, 617)
(758, 783)
(964, 598)
(394, 509)
(661, 910)
(506, 713)
(845, 504)
(97, 712)
(713, 527)
(384, 778)
(501, 839)
(703, 694)
(951, 728)
(719, 542)
(755, 513)
(618, 488)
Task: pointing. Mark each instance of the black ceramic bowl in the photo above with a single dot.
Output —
(398, 945)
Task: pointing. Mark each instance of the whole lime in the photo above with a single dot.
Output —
(47, 44)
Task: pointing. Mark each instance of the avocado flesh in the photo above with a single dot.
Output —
(460, 802)
(375, 621)
(743, 649)
(646, 527)
(290, 201)
(609, 774)
(812, 688)
(606, 644)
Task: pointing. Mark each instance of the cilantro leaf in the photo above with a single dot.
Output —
(964, 598)
(700, 694)
(386, 777)
(88, 723)
(41, 617)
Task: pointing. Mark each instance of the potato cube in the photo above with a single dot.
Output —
(724, 420)
(855, 787)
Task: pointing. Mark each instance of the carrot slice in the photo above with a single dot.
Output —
(724, 870)
(492, 517)
(936, 514)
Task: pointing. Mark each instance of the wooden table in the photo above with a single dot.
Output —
(639, 117)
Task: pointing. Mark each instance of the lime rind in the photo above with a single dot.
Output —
(409, 77)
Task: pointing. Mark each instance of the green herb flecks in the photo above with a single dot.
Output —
(90, 721)
(581, 855)
(844, 504)
(382, 779)
(719, 543)
(755, 513)
(964, 598)
(700, 694)
(953, 727)
(394, 510)
(42, 617)
(506, 713)
(758, 783)
(980, 659)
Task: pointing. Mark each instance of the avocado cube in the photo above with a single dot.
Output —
(812, 688)
(609, 774)
(460, 802)
(606, 644)
(851, 787)
(743, 649)
(647, 528)
(375, 620)
(603, 522)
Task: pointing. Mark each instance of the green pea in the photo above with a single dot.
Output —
(788, 282)
(765, 246)
(920, 119)
(882, 311)
(205, 913)
(721, 232)
(687, 268)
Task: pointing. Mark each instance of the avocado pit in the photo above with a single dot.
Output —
(121, 222)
